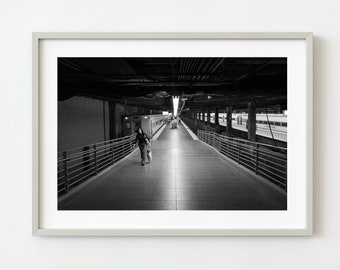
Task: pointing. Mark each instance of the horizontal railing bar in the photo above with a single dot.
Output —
(229, 147)
(107, 142)
(246, 157)
(264, 152)
(271, 166)
(104, 154)
(104, 159)
(77, 155)
(247, 160)
(77, 164)
(79, 180)
(270, 156)
(236, 141)
(270, 172)
(83, 157)
(119, 151)
(272, 178)
(77, 175)
(60, 171)
(104, 165)
(89, 161)
(272, 162)
(88, 153)
(121, 154)
(90, 169)
(257, 157)
(61, 184)
(72, 162)
(246, 165)
(60, 178)
(104, 150)
(266, 167)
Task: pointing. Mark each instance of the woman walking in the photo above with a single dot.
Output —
(143, 142)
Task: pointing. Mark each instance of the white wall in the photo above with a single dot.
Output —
(19, 250)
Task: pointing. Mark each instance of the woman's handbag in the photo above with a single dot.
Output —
(149, 155)
(148, 152)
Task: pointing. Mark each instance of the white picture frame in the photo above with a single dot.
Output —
(38, 129)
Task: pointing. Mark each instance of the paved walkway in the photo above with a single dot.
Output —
(185, 174)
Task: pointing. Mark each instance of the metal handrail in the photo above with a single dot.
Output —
(266, 160)
(79, 164)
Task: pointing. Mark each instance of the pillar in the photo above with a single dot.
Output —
(112, 122)
(229, 120)
(208, 116)
(252, 121)
(195, 117)
(217, 125)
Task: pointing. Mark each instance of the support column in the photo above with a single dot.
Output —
(112, 121)
(195, 117)
(252, 121)
(217, 125)
(208, 116)
(229, 120)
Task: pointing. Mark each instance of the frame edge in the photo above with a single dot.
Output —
(37, 36)
(310, 117)
(35, 134)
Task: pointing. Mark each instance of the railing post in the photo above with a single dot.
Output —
(228, 147)
(239, 149)
(66, 172)
(131, 141)
(286, 176)
(112, 153)
(219, 143)
(123, 147)
(95, 159)
(256, 157)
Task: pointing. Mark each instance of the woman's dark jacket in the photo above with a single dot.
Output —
(142, 139)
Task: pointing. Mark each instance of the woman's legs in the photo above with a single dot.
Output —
(142, 149)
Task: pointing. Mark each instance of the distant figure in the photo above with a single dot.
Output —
(143, 142)
(174, 123)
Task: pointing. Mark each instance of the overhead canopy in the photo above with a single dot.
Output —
(200, 82)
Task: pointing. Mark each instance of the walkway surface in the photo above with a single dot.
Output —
(185, 174)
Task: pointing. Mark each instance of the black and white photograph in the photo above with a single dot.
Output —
(172, 133)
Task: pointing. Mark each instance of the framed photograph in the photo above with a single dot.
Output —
(172, 133)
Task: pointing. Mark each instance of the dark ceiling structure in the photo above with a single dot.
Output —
(200, 82)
